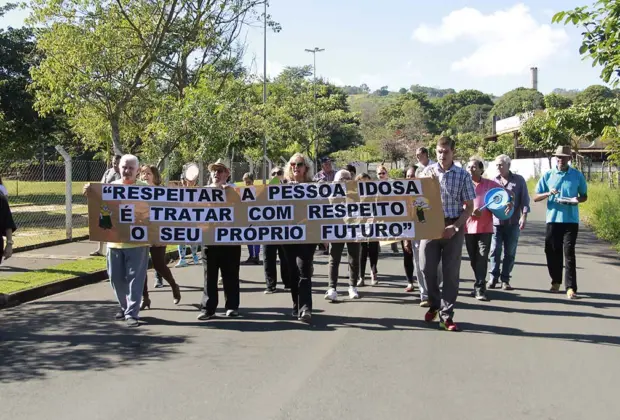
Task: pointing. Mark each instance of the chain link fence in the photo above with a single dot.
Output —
(37, 194)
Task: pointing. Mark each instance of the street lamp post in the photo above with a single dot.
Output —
(316, 138)
(265, 92)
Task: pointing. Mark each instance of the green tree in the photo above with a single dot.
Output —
(471, 118)
(518, 101)
(430, 91)
(382, 91)
(601, 38)
(402, 91)
(543, 132)
(23, 132)
(450, 104)
(554, 100)
(593, 94)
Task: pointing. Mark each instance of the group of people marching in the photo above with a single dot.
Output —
(433, 263)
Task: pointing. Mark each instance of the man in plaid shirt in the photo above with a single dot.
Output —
(457, 195)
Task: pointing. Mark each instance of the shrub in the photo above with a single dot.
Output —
(396, 173)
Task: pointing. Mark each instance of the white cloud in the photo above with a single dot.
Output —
(336, 81)
(274, 68)
(508, 42)
(374, 81)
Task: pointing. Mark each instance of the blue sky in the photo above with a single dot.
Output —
(475, 44)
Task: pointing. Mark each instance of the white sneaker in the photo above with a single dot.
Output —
(181, 263)
(353, 293)
(361, 282)
(331, 294)
(373, 279)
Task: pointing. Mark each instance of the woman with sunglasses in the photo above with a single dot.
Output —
(272, 252)
(150, 175)
(224, 259)
(369, 251)
(300, 257)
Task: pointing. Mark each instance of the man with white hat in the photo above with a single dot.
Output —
(223, 259)
(564, 188)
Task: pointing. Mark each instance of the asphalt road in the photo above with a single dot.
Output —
(527, 354)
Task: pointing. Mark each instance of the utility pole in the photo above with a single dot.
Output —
(316, 138)
(265, 91)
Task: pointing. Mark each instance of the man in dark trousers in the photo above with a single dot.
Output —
(564, 188)
(457, 199)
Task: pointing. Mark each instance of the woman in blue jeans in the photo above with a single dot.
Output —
(300, 257)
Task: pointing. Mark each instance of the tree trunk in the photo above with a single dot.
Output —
(116, 136)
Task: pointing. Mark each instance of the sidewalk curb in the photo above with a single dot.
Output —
(28, 295)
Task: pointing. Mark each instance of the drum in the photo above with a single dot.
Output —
(191, 172)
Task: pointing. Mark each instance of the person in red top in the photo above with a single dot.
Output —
(479, 228)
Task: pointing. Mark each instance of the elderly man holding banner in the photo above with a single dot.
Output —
(457, 195)
(127, 263)
(224, 259)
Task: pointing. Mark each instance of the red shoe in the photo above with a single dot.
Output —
(449, 325)
(431, 315)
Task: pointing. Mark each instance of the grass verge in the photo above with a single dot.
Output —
(24, 281)
(601, 212)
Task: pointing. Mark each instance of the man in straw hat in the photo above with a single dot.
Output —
(564, 188)
(224, 259)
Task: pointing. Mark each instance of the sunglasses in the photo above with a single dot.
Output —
(381, 173)
(218, 171)
(298, 164)
(278, 173)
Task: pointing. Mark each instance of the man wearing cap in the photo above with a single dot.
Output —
(327, 173)
(564, 188)
(224, 259)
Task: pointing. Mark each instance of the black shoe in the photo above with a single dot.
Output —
(120, 315)
(491, 284)
(132, 322)
(295, 313)
(270, 290)
(305, 317)
(480, 295)
(204, 315)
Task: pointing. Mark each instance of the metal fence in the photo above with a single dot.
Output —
(37, 193)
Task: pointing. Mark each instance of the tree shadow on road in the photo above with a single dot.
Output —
(44, 337)
(580, 338)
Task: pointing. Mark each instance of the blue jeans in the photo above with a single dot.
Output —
(254, 250)
(506, 237)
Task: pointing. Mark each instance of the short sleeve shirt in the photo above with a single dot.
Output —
(570, 183)
(456, 188)
(483, 223)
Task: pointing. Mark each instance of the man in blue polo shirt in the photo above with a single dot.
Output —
(564, 188)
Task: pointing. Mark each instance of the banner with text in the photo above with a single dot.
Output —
(272, 214)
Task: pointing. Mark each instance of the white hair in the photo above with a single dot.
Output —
(129, 158)
(342, 173)
(504, 159)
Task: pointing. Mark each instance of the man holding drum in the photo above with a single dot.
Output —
(189, 178)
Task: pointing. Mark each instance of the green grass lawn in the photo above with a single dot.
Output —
(25, 281)
(67, 270)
